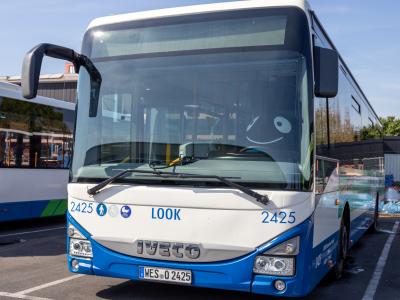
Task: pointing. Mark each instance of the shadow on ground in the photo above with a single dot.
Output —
(145, 290)
(42, 243)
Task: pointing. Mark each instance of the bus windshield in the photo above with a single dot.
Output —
(229, 95)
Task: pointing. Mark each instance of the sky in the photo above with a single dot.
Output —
(366, 33)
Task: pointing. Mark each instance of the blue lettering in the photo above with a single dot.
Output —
(90, 208)
(84, 205)
(292, 217)
(160, 213)
(274, 218)
(176, 214)
(283, 214)
(265, 220)
(166, 214)
(284, 218)
(73, 206)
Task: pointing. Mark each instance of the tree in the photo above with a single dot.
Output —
(372, 132)
(391, 126)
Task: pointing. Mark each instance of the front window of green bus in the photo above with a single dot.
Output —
(218, 94)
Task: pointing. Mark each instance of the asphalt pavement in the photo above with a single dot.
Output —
(33, 266)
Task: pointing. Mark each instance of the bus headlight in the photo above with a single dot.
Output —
(274, 265)
(80, 248)
(288, 248)
(74, 233)
(78, 243)
(280, 260)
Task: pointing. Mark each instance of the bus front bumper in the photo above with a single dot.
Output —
(236, 274)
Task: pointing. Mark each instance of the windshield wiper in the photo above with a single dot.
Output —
(260, 198)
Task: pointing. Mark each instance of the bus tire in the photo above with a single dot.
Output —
(374, 226)
(342, 249)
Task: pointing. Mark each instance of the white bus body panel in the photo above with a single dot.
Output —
(326, 220)
(21, 185)
(226, 223)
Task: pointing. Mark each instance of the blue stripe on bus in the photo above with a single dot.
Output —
(233, 274)
(236, 274)
(11, 211)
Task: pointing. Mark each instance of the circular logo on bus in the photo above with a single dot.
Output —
(101, 209)
(125, 211)
(113, 211)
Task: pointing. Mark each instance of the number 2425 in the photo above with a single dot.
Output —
(82, 207)
(281, 217)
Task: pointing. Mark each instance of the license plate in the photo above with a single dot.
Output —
(166, 275)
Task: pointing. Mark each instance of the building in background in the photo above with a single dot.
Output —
(391, 147)
(60, 86)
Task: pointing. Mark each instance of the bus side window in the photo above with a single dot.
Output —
(326, 179)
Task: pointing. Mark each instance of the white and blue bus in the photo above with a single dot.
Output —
(223, 146)
(35, 153)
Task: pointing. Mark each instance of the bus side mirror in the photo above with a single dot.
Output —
(33, 63)
(326, 72)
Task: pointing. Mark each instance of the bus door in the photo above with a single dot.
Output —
(327, 210)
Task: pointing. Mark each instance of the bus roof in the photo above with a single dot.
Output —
(197, 9)
(14, 91)
(217, 7)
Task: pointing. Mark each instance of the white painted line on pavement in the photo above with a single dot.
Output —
(16, 296)
(33, 231)
(49, 284)
(376, 277)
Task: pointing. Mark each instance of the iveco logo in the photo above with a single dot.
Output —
(166, 249)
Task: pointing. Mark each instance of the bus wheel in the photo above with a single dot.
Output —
(374, 226)
(343, 247)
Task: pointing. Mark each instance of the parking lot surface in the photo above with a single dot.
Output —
(33, 266)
